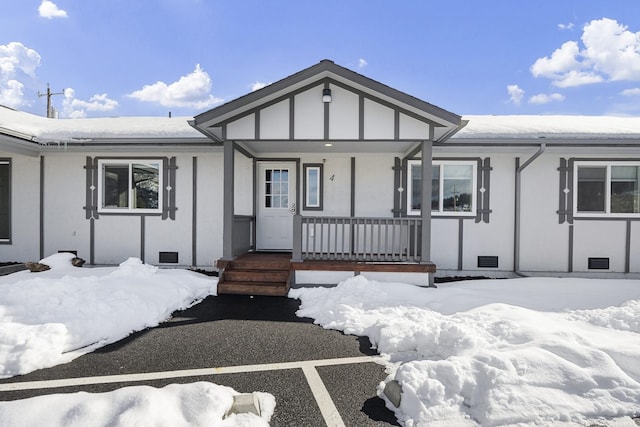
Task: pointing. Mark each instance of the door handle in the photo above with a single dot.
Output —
(292, 209)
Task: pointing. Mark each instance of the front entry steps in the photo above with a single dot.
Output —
(255, 274)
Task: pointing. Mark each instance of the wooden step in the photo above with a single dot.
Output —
(253, 288)
(267, 276)
(261, 264)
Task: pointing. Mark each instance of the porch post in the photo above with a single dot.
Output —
(228, 202)
(425, 203)
(296, 255)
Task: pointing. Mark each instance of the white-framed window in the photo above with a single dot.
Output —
(453, 187)
(130, 186)
(313, 186)
(606, 188)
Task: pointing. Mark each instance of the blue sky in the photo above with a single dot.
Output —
(152, 57)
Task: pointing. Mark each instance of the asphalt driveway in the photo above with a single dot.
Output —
(255, 344)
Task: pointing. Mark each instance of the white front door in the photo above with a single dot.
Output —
(276, 205)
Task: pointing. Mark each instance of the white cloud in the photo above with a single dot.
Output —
(191, 91)
(515, 94)
(49, 10)
(567, 27)
(11, 93)
(17, 63)
(362, 63)
(258, 85)
(631, 92)
(610, 53)
(77, 108)
(544, 98)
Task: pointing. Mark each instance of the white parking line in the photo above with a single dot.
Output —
(327, 408)
(107, 379)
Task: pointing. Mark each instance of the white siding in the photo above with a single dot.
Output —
(444, 243)
(378, 121)
(243, 185)
(116, 239)
(274, 121)
(606, 239)
(344, 117)
(544, 242)
(634, 258)
(337, 191)
(374, 186)
(411, 128)
(25, 210)
(209, 209)
(243, 128)
(309, 114)
(496, 237)
(65, 223)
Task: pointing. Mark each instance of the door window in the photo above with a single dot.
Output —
(276, 188)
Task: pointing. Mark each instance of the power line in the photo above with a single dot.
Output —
(50, 110)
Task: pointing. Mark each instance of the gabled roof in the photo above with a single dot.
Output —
(325, 68)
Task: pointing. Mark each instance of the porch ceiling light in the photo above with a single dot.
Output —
(326, 95)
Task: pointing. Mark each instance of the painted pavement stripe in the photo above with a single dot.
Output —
(150, 376)
(328, 409)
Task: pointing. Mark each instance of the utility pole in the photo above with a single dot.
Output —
(49, 94)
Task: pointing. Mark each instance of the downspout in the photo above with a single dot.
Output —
(516, 234)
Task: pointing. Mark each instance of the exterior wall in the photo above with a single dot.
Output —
(65, 226)
(544, 242)
(496, 237)
(348, 113)
(274, 121)
(343, 114)
(478, 238)
(117, 237)
(209, 209)
(599, 239)
(243, 185)
(634, 258)
(336, 191)
(374, 185)
(378, 121)
(444, 243)
(25, 210)
(309, 113)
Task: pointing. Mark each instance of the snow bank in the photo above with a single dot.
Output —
(497, 352)
(54, 316)
(191, 405)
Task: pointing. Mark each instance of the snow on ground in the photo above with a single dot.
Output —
(54, 316)
(176, 405)
(535, 351)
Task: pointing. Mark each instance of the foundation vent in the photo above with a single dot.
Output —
(168, 257)
(485, 261)
(598, 263)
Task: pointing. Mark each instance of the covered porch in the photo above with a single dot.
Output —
(313, 171)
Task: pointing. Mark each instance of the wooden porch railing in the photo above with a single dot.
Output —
(356, 239)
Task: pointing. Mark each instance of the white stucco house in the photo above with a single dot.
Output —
(322, 172)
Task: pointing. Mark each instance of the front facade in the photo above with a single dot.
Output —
(327, 165)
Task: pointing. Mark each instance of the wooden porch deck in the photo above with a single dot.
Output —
(271, 273)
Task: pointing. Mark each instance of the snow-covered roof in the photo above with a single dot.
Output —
(479, 127)
(42, 129)
(551, 126)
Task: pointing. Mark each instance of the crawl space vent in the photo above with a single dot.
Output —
(168, 257)
(485, 261)
(598, 263)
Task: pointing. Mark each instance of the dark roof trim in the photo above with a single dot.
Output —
(309, 73)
